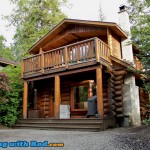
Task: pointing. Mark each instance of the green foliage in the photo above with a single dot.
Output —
(10, 109)
(147, 121)
(33, 19)
(5, 51)
(3, 82)
(140, 19)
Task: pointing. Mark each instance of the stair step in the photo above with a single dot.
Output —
(30, 122)
(59, 126)
(73, 123)
(60, 129)
(59, 120)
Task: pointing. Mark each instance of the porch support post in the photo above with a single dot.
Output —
(99, 92)
(25, 100)
(57, 97)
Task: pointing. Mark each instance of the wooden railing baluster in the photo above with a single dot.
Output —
(97, 50)
(42, 63)
(66, 57)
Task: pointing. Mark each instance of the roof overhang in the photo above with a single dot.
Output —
(66, 22)
(4, 62)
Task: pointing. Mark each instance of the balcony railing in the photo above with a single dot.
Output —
(73, 55)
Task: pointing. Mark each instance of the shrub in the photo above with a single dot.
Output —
(11, 99)
(147, 121)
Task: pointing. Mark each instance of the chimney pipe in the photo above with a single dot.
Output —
(123, 8)
(124, 21)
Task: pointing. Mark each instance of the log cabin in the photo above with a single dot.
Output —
(75, 61)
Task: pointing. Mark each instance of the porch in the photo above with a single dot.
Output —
(64, 89)
(80, 54)
(43, 98)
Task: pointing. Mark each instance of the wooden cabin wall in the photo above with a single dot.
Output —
(65, 92)
(112, 89)
(118, 82)
(44, 97)
(111, 95)
(67, 81)
(74, 33)
(115, 98)
(144, 101)
(116, 47)
(105, 94)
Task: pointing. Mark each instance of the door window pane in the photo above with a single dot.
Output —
(80, 96)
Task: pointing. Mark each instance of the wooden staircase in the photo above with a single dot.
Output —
(87, 124)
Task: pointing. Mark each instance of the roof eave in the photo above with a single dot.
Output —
(65, 22)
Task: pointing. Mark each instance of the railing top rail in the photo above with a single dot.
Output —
(59, 48)
(80, 42)
(32, 56)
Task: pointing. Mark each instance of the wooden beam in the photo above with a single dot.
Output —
(97, 50)
(42, 63)
(22, 69)
(99, 92)
(109, 38)
(25, 100)
(63, 73)
(57, 97)
(66, 57)
(40, 51)
(42, 59)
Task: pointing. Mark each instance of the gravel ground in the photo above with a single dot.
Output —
(132, 138)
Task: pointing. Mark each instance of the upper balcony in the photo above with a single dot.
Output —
(76, 55)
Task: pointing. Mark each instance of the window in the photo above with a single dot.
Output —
(80, 96)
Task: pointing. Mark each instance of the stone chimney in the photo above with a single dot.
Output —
(124, 23)
(130, 90)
